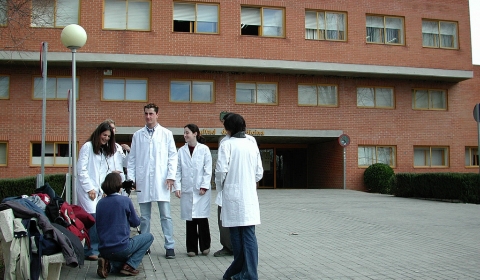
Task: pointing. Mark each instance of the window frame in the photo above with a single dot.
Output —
(430, 102)
(456, 44)
(317, 95)
(191, 93)
(256, 93)
(324, 34)
(7, 97)
(472, 156)
(6, 153)
(385, 40)
(77, 85)
(193, 25)
(375, 106)
(48, 157)
(104, 13)
(261, 26)
(54, 17)
(393, 155)
(445, 154)
(125, 79)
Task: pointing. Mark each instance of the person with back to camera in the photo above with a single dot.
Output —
(152, 165)
(224, 231)
(194, 172)
(95, 161)
(238, 169)
(115, 216)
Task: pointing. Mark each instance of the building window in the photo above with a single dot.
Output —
(430, 157)
(4, 87)
(3, 12)
(375, 97)
(260, 21)
(440, 34)
(260, 93)
(56, 154)
(3, 153)
(385, 30)
(471, 156)
(124, 89)
(192, 91)
(317, 95)
(55, 13)
(429, 99)
(57, 88)
(368, 155)
(195, 17)
(323, 25)
(127, 14)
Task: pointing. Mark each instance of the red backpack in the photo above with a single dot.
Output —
(74, 224)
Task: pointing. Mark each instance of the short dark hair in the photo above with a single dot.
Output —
(112, 183)
(151, 105)
(234, 123)
(194, 128)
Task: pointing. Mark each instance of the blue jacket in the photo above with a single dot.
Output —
(115, 216)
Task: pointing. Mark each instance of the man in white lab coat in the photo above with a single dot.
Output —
(238, 169)
(152, 165)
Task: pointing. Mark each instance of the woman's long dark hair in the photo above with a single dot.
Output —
(194, 128)
(110, 148)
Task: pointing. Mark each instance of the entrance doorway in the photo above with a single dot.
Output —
(284, 166)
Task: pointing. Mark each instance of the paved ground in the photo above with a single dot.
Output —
(333, 234)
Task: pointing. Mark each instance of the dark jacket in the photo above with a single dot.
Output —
(21, 211)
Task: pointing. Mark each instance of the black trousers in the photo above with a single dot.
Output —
(198, 233)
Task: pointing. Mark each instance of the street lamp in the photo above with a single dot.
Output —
(73, 37)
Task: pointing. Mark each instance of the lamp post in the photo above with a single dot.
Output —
(73, 37)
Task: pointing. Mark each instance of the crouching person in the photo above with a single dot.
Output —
(115, 216)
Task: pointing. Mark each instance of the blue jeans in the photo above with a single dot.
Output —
(245, 254)
(165, 221)
(94, 241)
(132, 255)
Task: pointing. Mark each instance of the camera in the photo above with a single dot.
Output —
(128, 185)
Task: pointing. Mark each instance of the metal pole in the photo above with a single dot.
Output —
(68, 178)
(41, 180)
(74, 129)
(344, 168)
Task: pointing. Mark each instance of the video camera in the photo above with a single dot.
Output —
(128, 185)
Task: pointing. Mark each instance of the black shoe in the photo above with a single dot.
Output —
(170, 254)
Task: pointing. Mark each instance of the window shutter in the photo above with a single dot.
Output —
(207, 13)
(115, 14)
(311, 20)
(376, 22)
(66, 13)
(394, 23)
(448, 28)
(183, 12)
(251, 16)
(430, 27)
(138, 15)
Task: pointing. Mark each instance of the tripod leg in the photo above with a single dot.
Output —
(148, 252)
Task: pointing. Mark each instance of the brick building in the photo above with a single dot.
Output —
(397, 79)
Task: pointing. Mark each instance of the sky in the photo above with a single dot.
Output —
(475, 29)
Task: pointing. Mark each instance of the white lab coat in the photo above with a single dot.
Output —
(91, 172)
(193, 173)
(151, 161)
(238, 169)
(218, 200)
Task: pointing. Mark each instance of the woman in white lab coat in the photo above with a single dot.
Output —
(192, 184)
(238, 168)
(95, 161)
